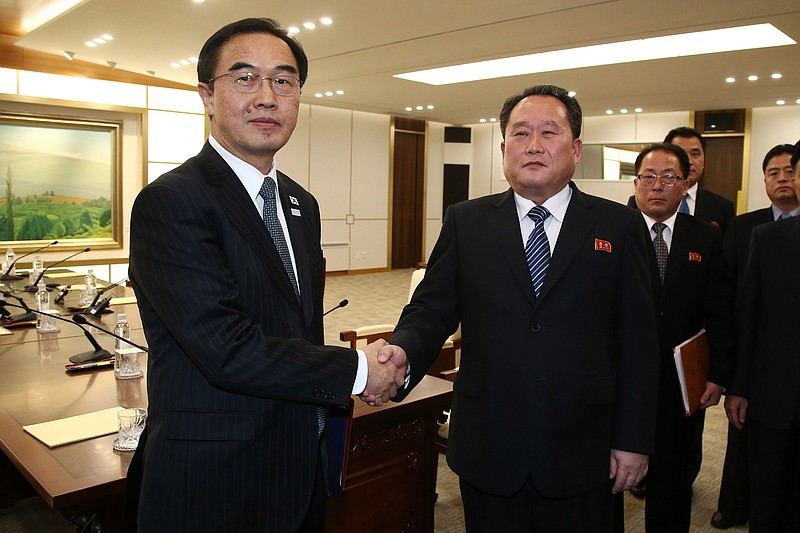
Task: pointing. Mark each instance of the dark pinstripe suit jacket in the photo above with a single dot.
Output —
(235, 371)
(737, 242)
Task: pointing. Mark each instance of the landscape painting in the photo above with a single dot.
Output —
(58, 179)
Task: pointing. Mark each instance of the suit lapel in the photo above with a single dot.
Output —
(678, 254)
(504, 225)
(578, 222)
(234, 201)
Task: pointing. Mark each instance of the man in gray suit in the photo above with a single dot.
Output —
(228, 272)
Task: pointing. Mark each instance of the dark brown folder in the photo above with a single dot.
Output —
(691, 362)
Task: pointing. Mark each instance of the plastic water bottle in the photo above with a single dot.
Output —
(123, 329)
(10, 261)
(91, 285)
(44, 323)
(36, 269)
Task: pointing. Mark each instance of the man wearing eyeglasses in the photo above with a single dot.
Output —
(691, 293)
(782, 189)
(228, 271)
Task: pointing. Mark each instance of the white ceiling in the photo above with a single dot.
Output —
(370, 40)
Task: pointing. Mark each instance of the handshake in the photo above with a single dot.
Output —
(386, 372)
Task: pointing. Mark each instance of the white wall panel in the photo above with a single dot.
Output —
(336, 245)
(770, 126)
(8, 81)
(369, 185)
(329, 180)
(174, 137)
(293, 159)
(174, 100)
(369, 242)
(81, 89)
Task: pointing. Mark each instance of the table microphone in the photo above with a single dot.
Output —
(33, 287)
(80, 319)
(27, 316)
(8, 277)
(98, 354)
(62, 294)
(104, 289)
(341, 304)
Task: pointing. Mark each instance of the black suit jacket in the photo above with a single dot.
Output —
(696, 294)
(546, 387)
(709, 206)
(736, 244)
(768, 363)
(235, 371)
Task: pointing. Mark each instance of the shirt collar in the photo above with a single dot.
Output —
(670, 222)
(777, 212)
(692, 192)
(556, 204)
(252, 179)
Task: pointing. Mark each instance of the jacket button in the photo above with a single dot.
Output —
(536, 328)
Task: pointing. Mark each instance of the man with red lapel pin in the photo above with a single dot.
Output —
(692, 292)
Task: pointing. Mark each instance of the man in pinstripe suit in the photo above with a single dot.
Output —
(238, 380)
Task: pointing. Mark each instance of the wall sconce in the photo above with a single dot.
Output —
(69, 55)
(112, 64)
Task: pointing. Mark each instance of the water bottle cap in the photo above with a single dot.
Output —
(91, 270)
(42, 286)
(122, 316)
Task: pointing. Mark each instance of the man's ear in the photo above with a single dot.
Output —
(207, 96)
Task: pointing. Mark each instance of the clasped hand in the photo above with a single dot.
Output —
(386, 372)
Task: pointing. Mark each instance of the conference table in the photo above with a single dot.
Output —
(389, 482)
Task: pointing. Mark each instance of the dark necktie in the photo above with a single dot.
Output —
(270, 215)
(684, 208)
(660, 245)
(784, 216)
(537, 249)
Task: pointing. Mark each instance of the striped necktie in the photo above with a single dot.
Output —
(537, 249)
(684, 207)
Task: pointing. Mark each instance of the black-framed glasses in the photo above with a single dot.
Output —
(250, 82)
(667, 180)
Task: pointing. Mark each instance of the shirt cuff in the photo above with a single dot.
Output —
(361, 375)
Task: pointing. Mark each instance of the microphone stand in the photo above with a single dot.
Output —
(103, 290)
(33, 287)
(27, 316)
(341, 304)
(81, 320)
(97, 354)
(8, 277)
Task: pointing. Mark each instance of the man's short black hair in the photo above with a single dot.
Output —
(574, 112)
(776, 150)
(683, 131)
(209, 55)
(795, 158)
(677, 151)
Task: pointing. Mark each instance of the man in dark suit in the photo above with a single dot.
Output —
(555, 393)
(228, 272)
(765, 391)
(692, 293)
(702, 203)
(734, 495)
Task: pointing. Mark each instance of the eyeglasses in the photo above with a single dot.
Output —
(249, 82)
(667, 180)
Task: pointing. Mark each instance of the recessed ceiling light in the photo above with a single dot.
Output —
(340, 91)
(107, 37)
(638, 109)
(91, 44)
(184, 62)
(572, 94)
(492, 120)
(326, 20)
(752, 78)
(777, 76)
(483, 120)
(797, 101)
(419, 108)
(175, 65)
(318, 95)
(328, 93)
(409, 109)
(780, 102)
(623, 110)
(98, 40)
(609, 112)
(686, 44)
(429, 106)
(309, 25)
(293, 30)
(730, 79)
